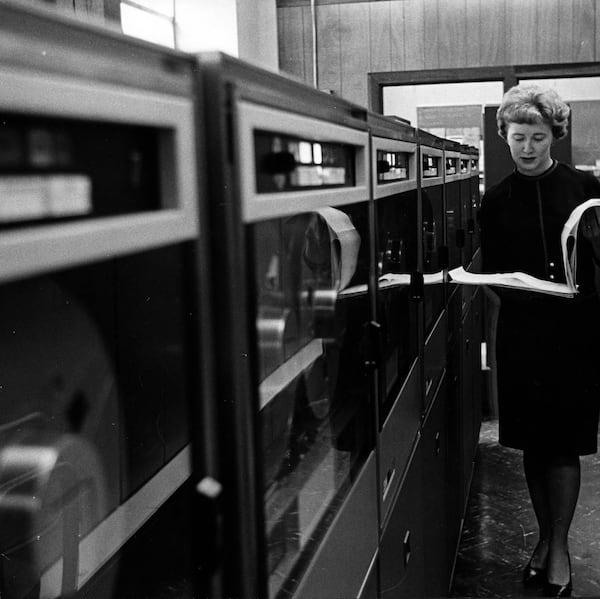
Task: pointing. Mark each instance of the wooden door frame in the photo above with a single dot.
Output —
(509, 75)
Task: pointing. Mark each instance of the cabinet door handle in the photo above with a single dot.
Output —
(428, 385)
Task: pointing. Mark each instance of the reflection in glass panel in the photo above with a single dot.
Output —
(314, 408)
(93, 430)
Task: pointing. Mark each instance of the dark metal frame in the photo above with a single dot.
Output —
(508, 74)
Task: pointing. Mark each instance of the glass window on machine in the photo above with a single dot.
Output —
(392, 166)
(312, 390)
(430, 166)
(56, 169)
(451, 166)
(287, 163)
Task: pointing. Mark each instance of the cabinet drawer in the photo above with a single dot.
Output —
(401, 557)
(434, 356)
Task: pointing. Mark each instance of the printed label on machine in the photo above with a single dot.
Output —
(32, 197)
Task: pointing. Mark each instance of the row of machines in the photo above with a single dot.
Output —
(231, 363)
(331, 240)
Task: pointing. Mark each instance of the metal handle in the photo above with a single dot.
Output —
(387, 481)
(428, 384)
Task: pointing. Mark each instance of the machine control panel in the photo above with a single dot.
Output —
(451, 165)
(392, 166)
(431, 166)
(54, 168)
(289, 163)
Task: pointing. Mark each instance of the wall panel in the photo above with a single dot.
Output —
(547, 31)
(521, 31)
(493, 28)
(414, 34)
(565, 31)
(380, 35)
(89, 10)
(452, 26)
(432, 34)
(584, 30)
(292, 43)
(308, 45)
(597, 33)
(473, 32)
(397, 36)
(355, 51)
(357, 37)
(329, 47)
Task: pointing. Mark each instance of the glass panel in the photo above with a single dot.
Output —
(583, 95)
(453, 222)
(289, 163)
(434, 259)
(397, 220)
(57, 169)
(314, 396)
(94, 455)
(392, 166)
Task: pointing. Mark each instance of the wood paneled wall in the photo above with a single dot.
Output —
(93, 11)
(355, 38)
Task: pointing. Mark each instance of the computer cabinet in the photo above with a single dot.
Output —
(104, 363)
(293, 262)
(419, 540)
(402, 552)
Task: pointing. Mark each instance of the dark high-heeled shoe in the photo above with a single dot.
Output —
(560, 590)
(534, 576)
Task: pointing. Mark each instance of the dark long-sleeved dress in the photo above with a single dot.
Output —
(548, 347)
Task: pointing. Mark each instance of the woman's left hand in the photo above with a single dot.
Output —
(590, 229)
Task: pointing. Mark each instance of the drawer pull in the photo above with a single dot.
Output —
(428, 385)
(387, 483)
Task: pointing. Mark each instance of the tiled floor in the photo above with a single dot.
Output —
(499, 532)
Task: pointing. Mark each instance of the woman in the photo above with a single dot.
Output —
(548, 347)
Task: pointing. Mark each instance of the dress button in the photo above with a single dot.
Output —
(551, 276)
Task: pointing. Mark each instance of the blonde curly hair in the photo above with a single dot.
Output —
(532, 104)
